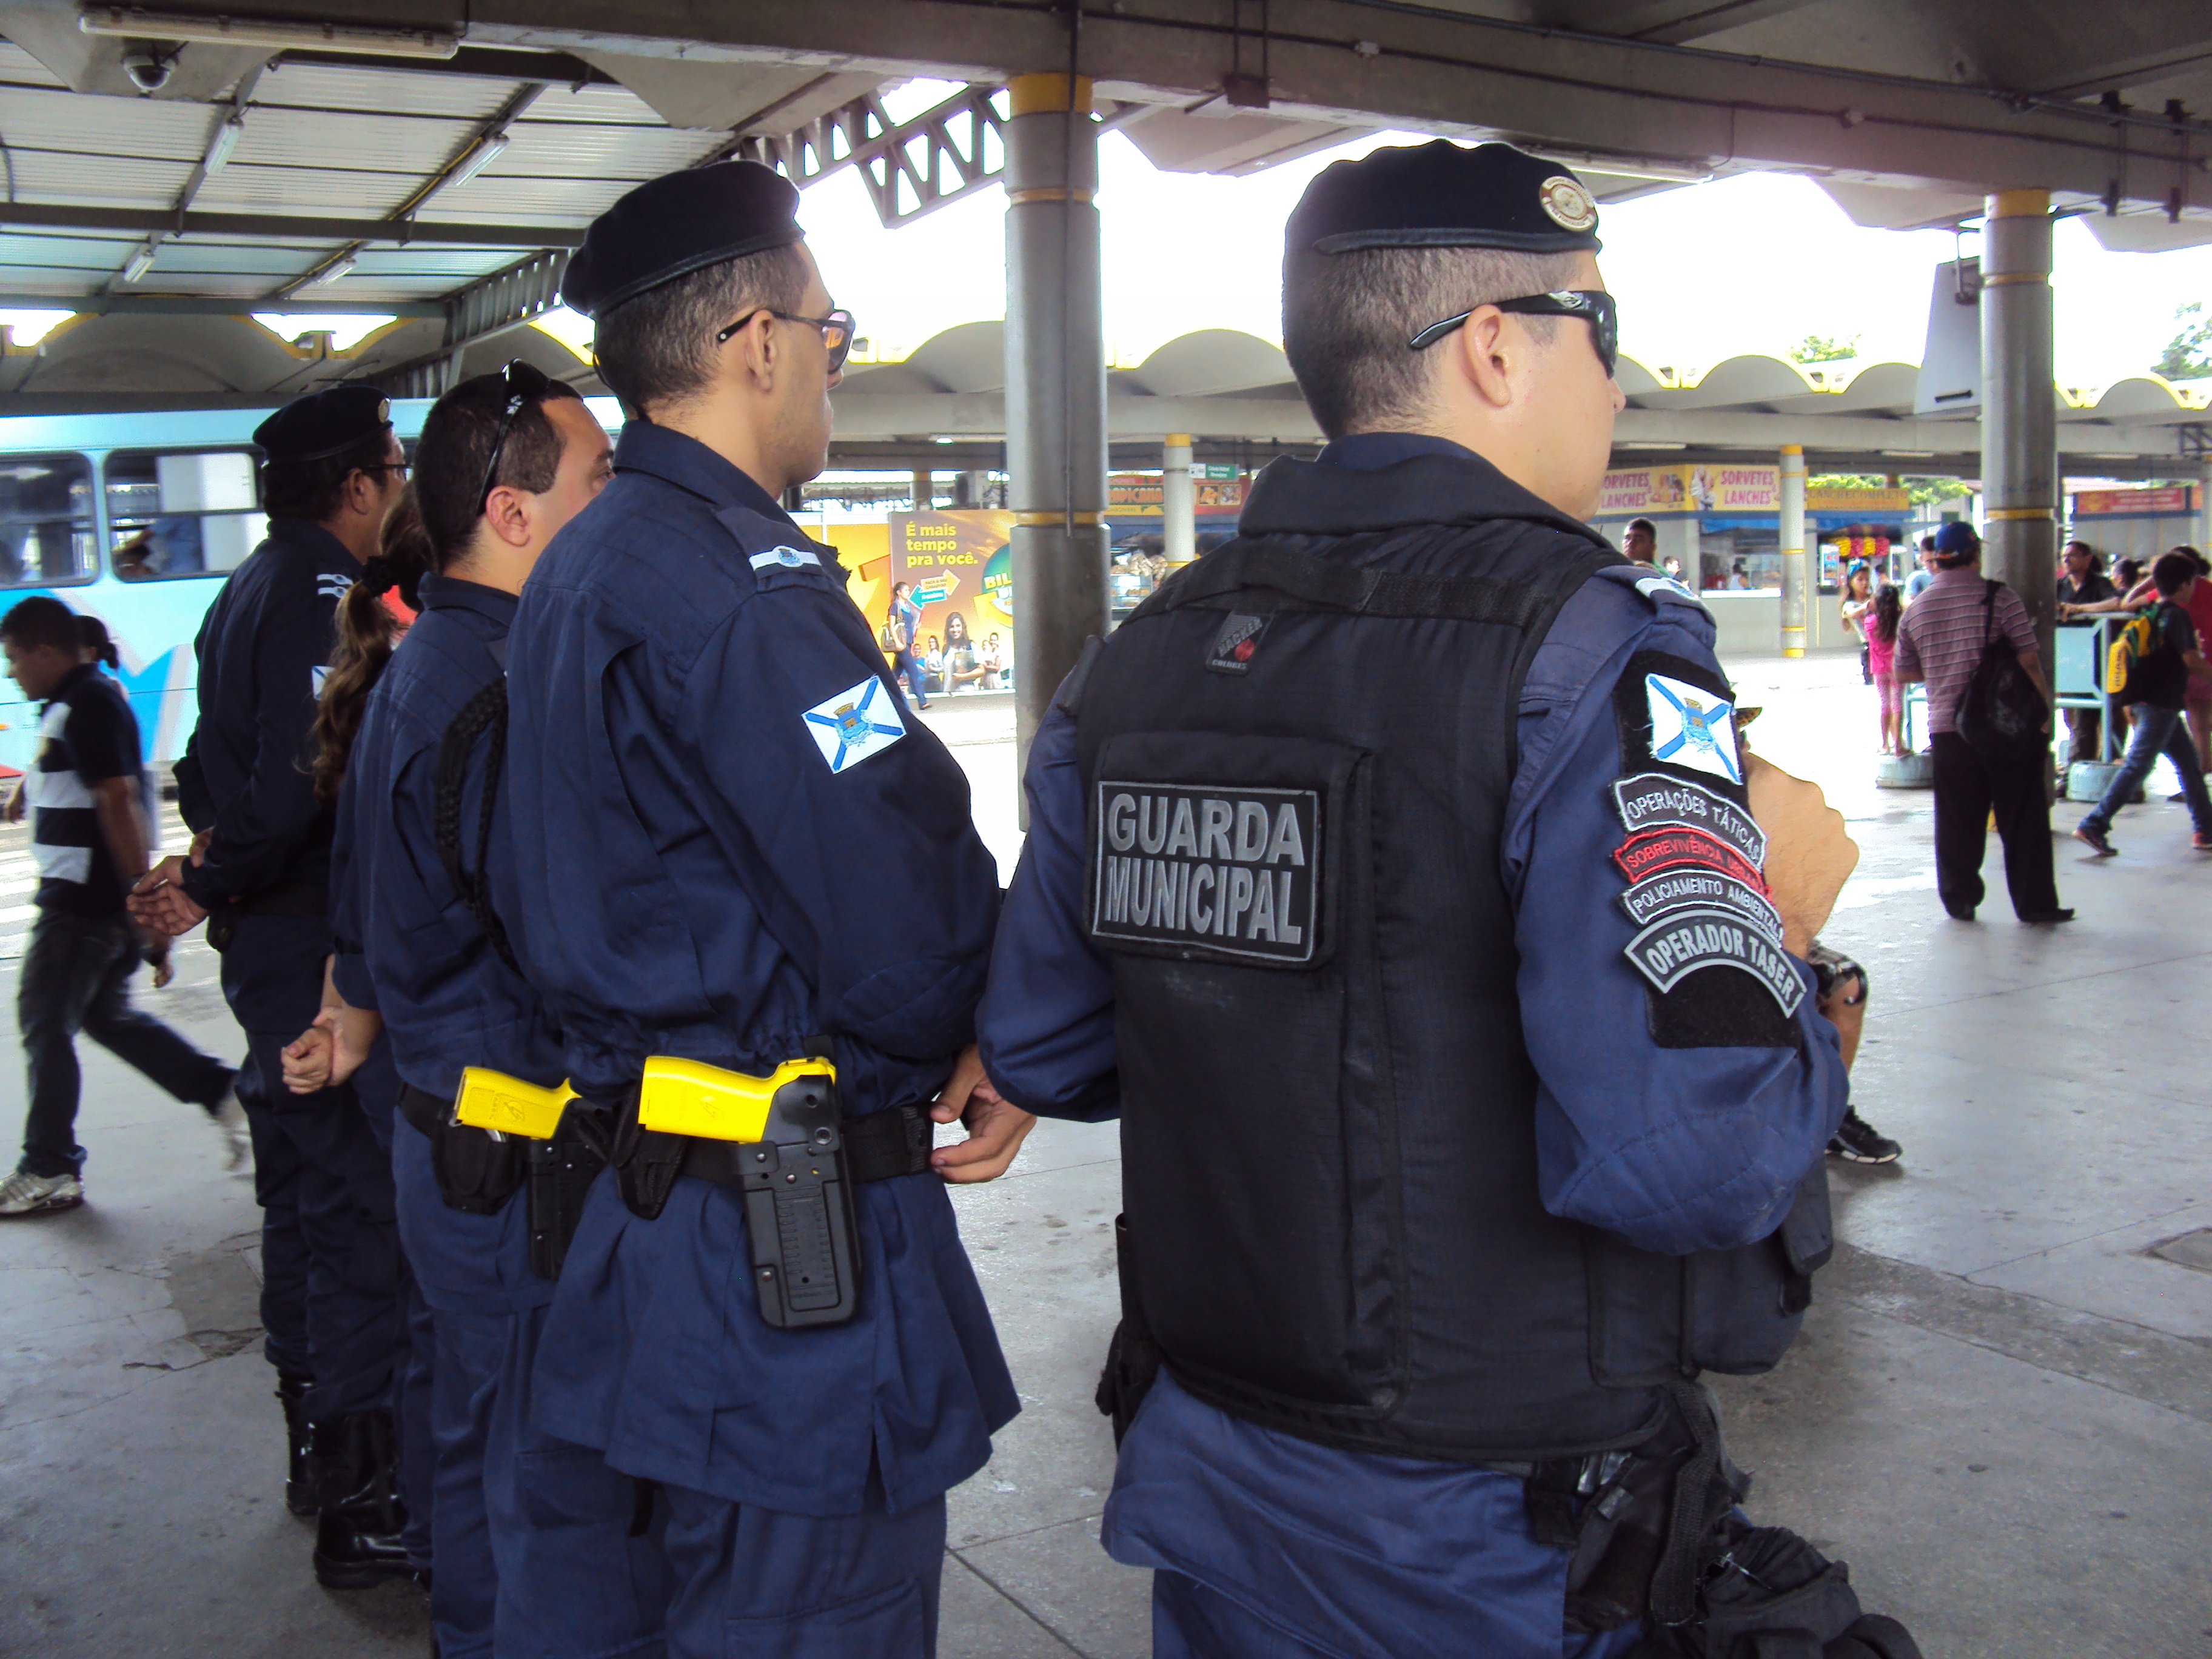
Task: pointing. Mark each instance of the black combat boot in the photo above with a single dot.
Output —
(303, 1491)
(357, 1544)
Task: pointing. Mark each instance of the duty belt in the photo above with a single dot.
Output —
(779, 1140)
(479, 1169)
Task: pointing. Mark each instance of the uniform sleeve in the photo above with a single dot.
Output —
(851, 827)
(1046, 1027)
(350, 864)
(261, 826)
(1674, 1148)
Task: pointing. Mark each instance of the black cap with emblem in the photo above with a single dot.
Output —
(1445, 195)
(676, 224)
(324, 423)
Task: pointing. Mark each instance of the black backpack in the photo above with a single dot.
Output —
(2003, 715)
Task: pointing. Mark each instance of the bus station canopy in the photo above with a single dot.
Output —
(167, 164)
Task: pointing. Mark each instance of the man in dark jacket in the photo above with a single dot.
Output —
(329, 1252)
(1395, 874)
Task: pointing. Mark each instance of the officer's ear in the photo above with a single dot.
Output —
(1490, 354)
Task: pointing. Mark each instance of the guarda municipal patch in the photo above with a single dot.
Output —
(1228, 871)
(1676, 946)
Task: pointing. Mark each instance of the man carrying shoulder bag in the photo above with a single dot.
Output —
(1989, 705)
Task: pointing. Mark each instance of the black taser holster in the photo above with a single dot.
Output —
(798, 1209)
(478, 1170)
(561, 1173)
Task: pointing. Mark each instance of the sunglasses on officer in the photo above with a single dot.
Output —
(525, 384)
(836, 331)
(1594, 305)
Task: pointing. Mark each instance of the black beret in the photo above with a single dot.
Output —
(676, 224)
(1441, 195)
(324, 423)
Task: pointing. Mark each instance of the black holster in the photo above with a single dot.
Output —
(561, 1173)
(477, 1171)
(1133, 1359)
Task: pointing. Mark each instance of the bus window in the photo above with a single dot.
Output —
(45, 521)
(192, 514)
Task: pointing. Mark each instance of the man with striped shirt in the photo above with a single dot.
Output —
(88, 839)
(1940, 640)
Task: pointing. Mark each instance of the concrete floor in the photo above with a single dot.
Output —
(2001, 1411)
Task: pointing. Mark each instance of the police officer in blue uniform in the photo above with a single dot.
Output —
(734, 854)
(1394, 874)
(333, 1275)
(533, 1547)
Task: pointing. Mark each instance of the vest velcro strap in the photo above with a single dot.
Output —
(1354, 590)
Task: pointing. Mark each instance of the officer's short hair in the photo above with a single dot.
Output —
(659, 349)
(312, 489)
(41, 621)
(1347, 318)
(455, 447)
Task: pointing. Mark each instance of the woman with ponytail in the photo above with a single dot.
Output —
(367, 632)
(504, 461)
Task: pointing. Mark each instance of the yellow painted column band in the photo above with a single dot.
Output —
(2017, 204)
(1040, 94)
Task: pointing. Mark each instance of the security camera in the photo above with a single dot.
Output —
(148, 62)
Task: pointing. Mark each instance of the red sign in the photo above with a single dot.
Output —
(2167, 498)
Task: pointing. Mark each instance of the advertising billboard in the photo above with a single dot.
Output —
(961, 567)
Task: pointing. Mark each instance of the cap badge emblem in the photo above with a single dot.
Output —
(1567, 204)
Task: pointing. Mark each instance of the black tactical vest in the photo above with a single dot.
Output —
(1298, 755)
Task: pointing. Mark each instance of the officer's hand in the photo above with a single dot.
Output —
(197, 850)
(996, 1127)
(307, 1057)
(159, 902)
(1808, 856)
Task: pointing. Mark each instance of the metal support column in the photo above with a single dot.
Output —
(925, 490)
(1794, 584)
(2020, 418)
(1178, 500)
(1055, 388)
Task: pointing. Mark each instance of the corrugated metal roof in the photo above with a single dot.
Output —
(319, 191)
(352, 141)
(555, 148)
(381, 92)
(18, 65)
(108, 180)
(35, 121)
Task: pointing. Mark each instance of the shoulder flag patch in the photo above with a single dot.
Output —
(1691, 727)
(859, 721)
(316, 676)
(786, 558)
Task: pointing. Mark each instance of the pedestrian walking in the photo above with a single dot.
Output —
(1882, 624)
(2156, 691)
(900, 638)
(1940, 640)
(86, 793)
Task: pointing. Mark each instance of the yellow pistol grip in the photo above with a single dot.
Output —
(493, 1100)
(691, 1097)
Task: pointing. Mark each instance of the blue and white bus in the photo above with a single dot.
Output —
(135, 519)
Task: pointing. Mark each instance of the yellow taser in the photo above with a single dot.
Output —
(691, 1097)
(508, 1106)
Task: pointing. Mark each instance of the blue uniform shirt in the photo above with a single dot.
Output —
(263, 651)
(1676, 1150)
(408, 948)
(727, 839)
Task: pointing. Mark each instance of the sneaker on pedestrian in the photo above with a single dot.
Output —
(1856, 1141)
(2037, 918)
(2096, 838)
(2201, 842)
(229, 1120)
(24, 1194)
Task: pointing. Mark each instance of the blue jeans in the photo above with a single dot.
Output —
(76, 977)
(903, 663)
(2157, 732)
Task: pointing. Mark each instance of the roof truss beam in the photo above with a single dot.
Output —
(283, 227)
